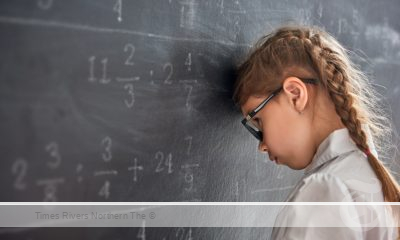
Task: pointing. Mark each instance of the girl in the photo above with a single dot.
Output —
(311, 108)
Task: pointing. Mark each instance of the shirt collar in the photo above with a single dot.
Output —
(337, 143)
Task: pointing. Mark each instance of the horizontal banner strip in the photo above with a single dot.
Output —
(198, 215)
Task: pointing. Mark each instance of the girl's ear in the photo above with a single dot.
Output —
(296, 93)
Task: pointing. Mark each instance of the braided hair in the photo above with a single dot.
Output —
(277, 55)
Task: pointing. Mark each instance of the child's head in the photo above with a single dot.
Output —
(295, 121)
(303, 113)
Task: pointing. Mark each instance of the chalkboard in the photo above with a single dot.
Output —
(118, 100)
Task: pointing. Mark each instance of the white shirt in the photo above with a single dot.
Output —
(338, 172)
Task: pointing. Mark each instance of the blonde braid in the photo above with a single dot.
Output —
(338, 86)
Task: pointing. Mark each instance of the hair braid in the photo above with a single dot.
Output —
(340, 91)
(342, 96)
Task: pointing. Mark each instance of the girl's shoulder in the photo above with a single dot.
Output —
(347, 178)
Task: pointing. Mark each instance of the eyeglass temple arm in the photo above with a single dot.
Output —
(254, 112)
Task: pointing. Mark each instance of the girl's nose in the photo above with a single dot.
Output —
(262, 147)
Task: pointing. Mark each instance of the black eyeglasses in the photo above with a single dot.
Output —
(249, 125)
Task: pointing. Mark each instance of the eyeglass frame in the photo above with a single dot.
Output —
(256, 132)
